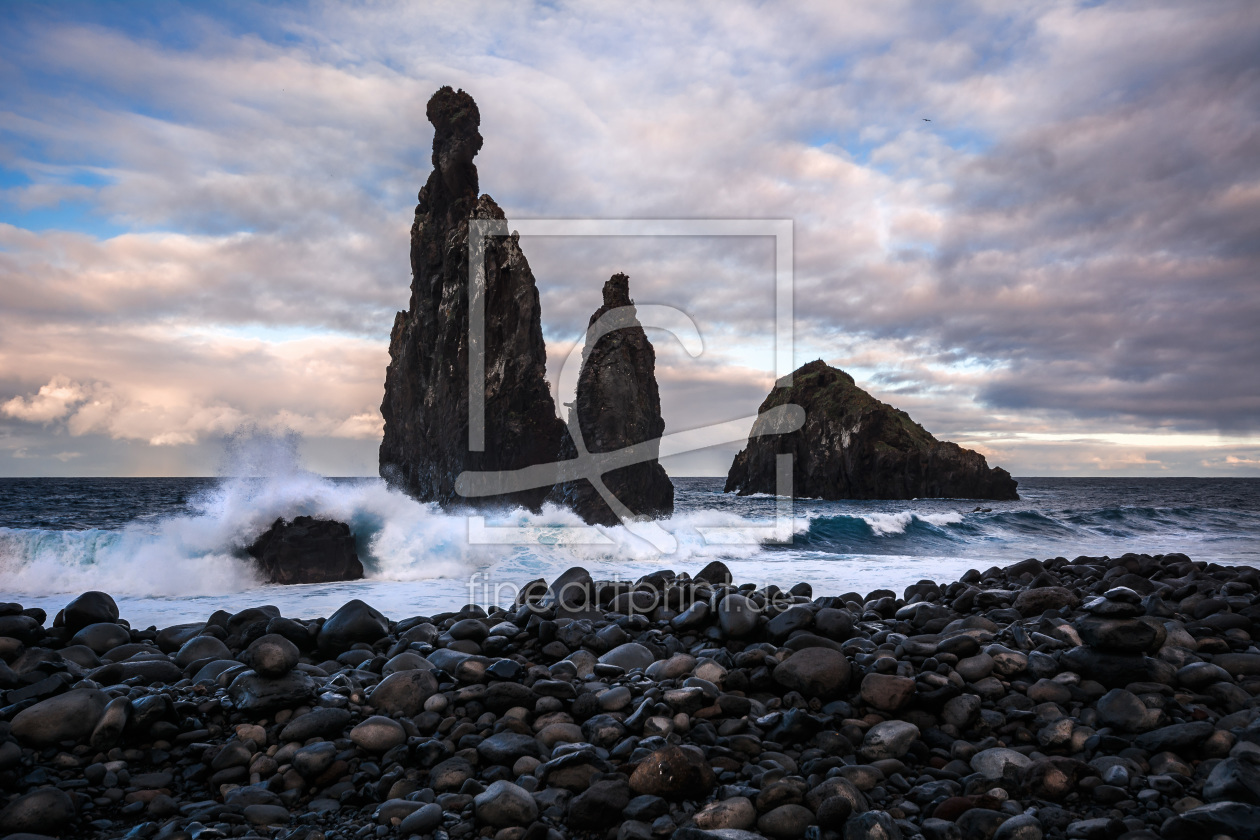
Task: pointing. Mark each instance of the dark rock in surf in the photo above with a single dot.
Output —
(618, 405)
(426, 405)
(853, 446)
(307, 550)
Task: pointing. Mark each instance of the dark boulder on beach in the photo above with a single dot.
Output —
(426, 408)
(88, 608)
(71, 716)
(307, 550)
(852, 446)
(618, 405)
(352, 623)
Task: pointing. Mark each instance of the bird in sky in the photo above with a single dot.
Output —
(925, 119)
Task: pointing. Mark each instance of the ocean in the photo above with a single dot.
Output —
(171, 550)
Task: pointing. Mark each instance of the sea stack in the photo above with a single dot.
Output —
(426, 406)
(853, 446)
(618, 405)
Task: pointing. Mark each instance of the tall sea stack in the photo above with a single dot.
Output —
(426, 407)
(853, 446)
(618, 405)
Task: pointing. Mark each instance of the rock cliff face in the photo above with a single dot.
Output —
(853, 446)
(618, 405)
(426, 407)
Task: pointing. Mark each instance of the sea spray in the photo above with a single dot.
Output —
(201, 551)
(184, 560)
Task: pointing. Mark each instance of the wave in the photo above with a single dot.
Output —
(199, 550)
(202, 550)
(915, 532)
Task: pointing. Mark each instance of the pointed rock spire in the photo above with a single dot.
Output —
(426, 406)
(618, 405)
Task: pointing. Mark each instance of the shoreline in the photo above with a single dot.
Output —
(1098, 697)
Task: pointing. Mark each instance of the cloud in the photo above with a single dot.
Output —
(302, 386)
(1070, 244)
(52, 402)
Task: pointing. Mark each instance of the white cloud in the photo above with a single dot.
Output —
(52, 402)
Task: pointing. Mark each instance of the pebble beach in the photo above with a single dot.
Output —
(1088, 698)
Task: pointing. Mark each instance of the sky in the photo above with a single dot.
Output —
(1033, 226)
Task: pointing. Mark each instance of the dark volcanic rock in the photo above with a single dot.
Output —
(426, 409)
(252, 692)
(618, 405)
(44, 810)
(404, 692)
(673, 773)
(307, 550)
(353, 622)
(853, 446)
(89, 608)
(67, 717)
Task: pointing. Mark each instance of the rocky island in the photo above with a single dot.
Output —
(853, 446)
(1089, 699)
(617, 405)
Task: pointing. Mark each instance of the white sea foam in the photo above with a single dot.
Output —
(885, 524)
(202, 553)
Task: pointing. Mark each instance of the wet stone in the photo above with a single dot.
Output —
(271, 655)
(887, 692)
(67, 717)
(814, 672)
(404, 692)
(993, 763)
(317, 722)
(378, 734)
(505, 804)
(890, 739)
(628, 656)
(44, 811)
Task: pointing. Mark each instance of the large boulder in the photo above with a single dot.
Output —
(307, 550)
(271, 655)
(67, 717)
(618, 405)
(89, 608)
(673, 773)
(505, 804)
(814, 672)
(102, 637)
(47, 810)
(426, 407)
(1116, 670)
(852, 446)
(404, 692)
(573, 590)
(353, 622)
(253, 693)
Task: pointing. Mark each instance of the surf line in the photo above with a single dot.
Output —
(592, 465)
